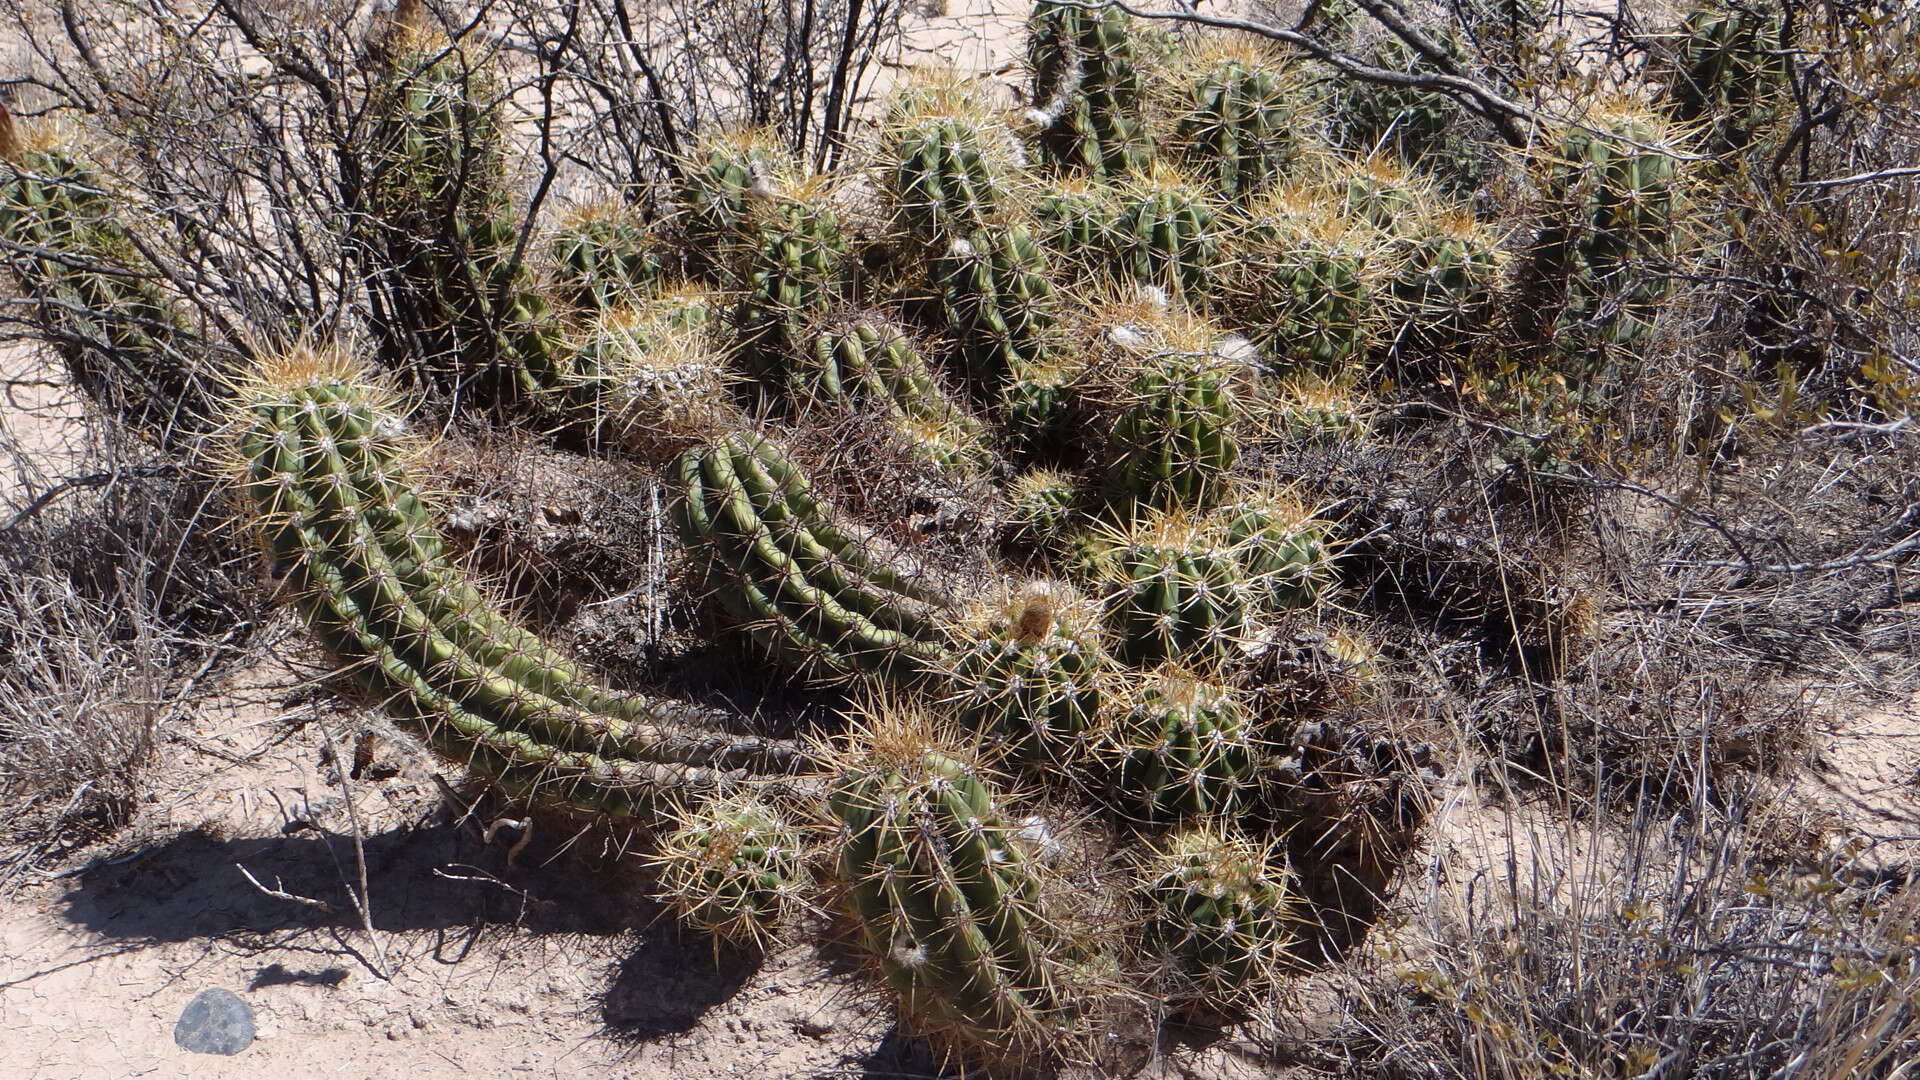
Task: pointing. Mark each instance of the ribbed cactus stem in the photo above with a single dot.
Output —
(944, 179)
(798, 584)
(733, 867)
(1086, 88)
(1237, 127)
(324, 478)
(1030, 673)
(999, 304)
(1219, 916)
(948, 906)
(1175, 590)
(113, 324)
(1186, 749)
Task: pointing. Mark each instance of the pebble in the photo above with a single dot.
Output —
(216, 1021)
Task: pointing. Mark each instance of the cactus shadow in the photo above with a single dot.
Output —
(668, 985)
(429, 877)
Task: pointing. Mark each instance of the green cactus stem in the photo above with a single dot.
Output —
(948, 905)
(116, 329)
(799, 586)
(1086, 89)
(1185, 749)
(1219, 916)
(605, 257)
(1175, 590)
(1029, 674)
(1239, 118)
(323, 476)
(734, 868)
(999, 304)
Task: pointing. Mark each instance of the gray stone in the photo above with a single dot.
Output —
(216, 1021)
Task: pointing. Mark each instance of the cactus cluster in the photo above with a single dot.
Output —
(1097, 358)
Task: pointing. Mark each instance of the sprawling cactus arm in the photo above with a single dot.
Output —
(1186, 748)
(122, 340)
(801, 587)
(1086, 88)
(947, 905)
(1030, 672)
(325, 480)
(1219, 916)
(999, 304)
(733, 867)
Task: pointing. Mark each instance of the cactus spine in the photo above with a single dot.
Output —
(1731, 70)
(1281, 548)
(793, 272)
(734, 868)
(323, 475)
(947, 904)
(719, 186)
(799, 585)
(1445, 276)
(1218, 916)
(945, 173)
(1305, 283)
(122, 341)
(1169, 235)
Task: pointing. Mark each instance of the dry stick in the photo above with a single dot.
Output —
(361, 901)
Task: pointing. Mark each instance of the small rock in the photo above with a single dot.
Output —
(216, 1021)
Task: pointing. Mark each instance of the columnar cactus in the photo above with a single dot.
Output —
(122, 341)
(1239, 120)
(1086, 89)
(1076, 220)
(1281, 548)
(1175, 590)
(1384, 195)
(1219, 916)
(719, 185)
(734, 868)
(322, 471)
(1185, 749)
(1176, 437)
(604, 257)
(947, 903)
(1029, 673)
(793, 271)
(651, 377)
(1446, 272)
(1168, 234)
(999, 304)
(1730, 70)
(1613, 195)
(1304, 279)
(945, 162)
(799, 585)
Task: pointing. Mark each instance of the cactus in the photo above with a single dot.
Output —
(946, 162)
(868, 366)
(1304, 279)
(1612, 190)
(1182, 412)
(1045, 510)
(1030, 672)
(1383, 194)
(947, 904)
(734, 868)
(650, 377)
(1037, 407)
(802, 588)
(999, 304)
(1446, 273)
(1175, 590)
(1077, 221)
(1730, 71)
(1219, 916)
(1423, 128)
(1169, 235)
(1280, 547)
(605, 257)
(1086, 89)
(480, 327)
(719, 186)
(1185, 749)
(117, 331)
(1238, 121)
(322, 472)
(794, 271)
(1311, 407)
